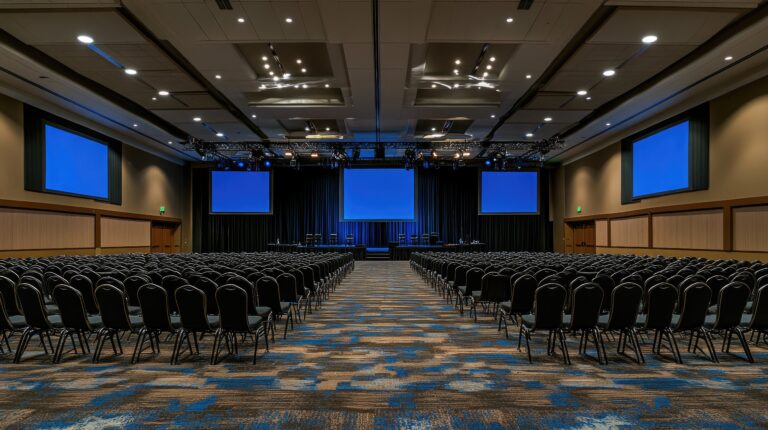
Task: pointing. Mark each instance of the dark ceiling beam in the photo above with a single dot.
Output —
(190, 69)
(376, 71)
(594, 23)
(730, 30)
(105, 92)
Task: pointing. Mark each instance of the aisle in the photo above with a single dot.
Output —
(386, 352)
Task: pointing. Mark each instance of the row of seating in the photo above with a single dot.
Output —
(182, 296)
(597, 296)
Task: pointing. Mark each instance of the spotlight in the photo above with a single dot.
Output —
(267, 164)
(488, 162)
(650, 39)
(582, 92)
(314, 154)
(241, 164)
(241, 20)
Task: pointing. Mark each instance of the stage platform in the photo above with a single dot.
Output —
(396, 251)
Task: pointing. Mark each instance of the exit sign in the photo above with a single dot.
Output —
(578, 209)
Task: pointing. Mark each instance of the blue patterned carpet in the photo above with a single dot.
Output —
(386, 352)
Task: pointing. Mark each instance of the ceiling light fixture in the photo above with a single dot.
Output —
(528, 134)
(264, 58)
(262, 87)
(163, 93)
(434, 129)
(608, 73)
(271, 73)
(728, 58)
(509, 20)
(170, 143)
(130, 72)
(288, 153)
(493, 115)
(197, 119)
(581, 92)
(241, 20)
(485, 75)
(135, 125)
(589, 98)
(457, 62)
(253, 115)
(83, 38)
(455, 71)
(607, 124)
(304, 86)
(219, 134)
(154, 99)
(650, 39)
(327, 86)
(492, 59)
(548, 119)
(327, 128)
(289, 20)
(455, 85)
(303, 70)
(528, 76)
(276, 78)
(298, 61)
(489, 67)
(434, 85)
(266, 66)
(314, 154)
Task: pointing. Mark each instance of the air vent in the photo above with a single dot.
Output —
(226, 5)
(525, 4)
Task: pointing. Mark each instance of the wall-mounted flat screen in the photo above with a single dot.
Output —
(75, 164)
(509, 192)
(378, 195)
(660, 162)
(236, 192)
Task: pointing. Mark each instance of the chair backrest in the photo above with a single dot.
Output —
(193, 308)
(474, 278)
(543, 273)
(494, 288)
(299, 276)
(5, 322)
(759, 320)
(208, 287)
(661, 302)
(694, 307)
(8, 291)
(460, 277)
(85, 287)
(268, 293)
(171, 283)
(523, 294)
(287, 284)
(33, 307)
(309, 278)
(113, 303)
(744, 276)
(132, 285)
(71, 307)
(606, 283)
(155, 309)
(586, 302)
(233, 309)
(625, 304)
(715, 284)
(549, 304)
(730, 305)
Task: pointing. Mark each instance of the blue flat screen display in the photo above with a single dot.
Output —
(509, 192)
(660, 162)
(378, 194)
(240, 192)
(75, 164)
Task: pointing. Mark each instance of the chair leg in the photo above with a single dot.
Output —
(23, 342)
(744, 345)
(528, 345)
(285, 331)
(60, 346)
(139, 345)
(672, 345)
(563, 346)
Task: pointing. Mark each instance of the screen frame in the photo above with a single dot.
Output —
(415, 196)
(649, 133)
(210, 193)
(480, 192)
(46, 122)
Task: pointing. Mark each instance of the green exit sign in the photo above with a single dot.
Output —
(162, 209)
(578, 209)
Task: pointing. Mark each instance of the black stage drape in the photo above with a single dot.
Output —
(307, 201)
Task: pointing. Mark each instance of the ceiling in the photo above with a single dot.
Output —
(274, 72)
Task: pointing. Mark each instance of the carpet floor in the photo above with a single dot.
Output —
(386, 352)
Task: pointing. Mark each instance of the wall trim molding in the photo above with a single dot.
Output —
(49, 207)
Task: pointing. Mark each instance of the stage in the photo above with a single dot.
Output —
(395, 251)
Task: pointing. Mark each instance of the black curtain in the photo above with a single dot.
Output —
(307, 201)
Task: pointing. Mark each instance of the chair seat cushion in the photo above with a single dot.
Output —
(476, 294)
(463, 289)
(709, 321)
(748, 308)
(285, 307)
(134, 310)
(712, 310)
(95, 322)
(18, 321)
(175, 322)
(136, 321)
(529, 320)
(55, 321)
(213, 320)
(263, 311)
(505, 306)
(52, 309)
(254, 321)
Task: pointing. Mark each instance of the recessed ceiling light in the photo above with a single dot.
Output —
(135, 125)
(728, 58)
(298, 61)
(455, 71)
(589, 98)
(528, 134)
(241, 20)
(581, 92)
(303, 70)
(457, 62)
(276, 78)
(264, 58)
(217, 76)
(304, 86)
(509, 19)
(163, 93)
(306, 128)
(130, 72)
(434, 129)
(492, 59)
(170, 143)
(650, 39)
(493, 115)
(219, 134)
(197, 119)
(271, 73)
(266, 66)
(289, 20)
(327, 86)
(528, 76)
(608, 73)
(455, 85)
(327, 128)
(253, 115)
(154, 99)
(548, 119)
(489, 67)
(297, 86)
(607, 124)
(262, 86)
(434, 85)
(83, 38)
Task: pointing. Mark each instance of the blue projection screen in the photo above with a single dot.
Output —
(240, 192)
(378, 195)
(75, 164)
(660, 162)
(509, 192)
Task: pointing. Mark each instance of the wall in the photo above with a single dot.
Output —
(148, 183)
(737, 161)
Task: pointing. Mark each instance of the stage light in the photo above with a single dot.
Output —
(488, 163)
(241, 164)
(314, 154)
(457, 154)
(267, 164)
(83, 38)
(466, 153)
(288, 153)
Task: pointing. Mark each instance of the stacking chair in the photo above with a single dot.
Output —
(170, 284)
(660, 303)
(289, 293)
(606, 283)
(520, 303)
(473, 282)
(38, 322)
(730, 307)
(693, 314)
(155, 312)
(494, 289)
(333, 239)
(548, 316)
(8, 291)
(193, 313)
(9, 325)
(234, 320)
(208, 287)
(74, 320)
(268, 293)
(113, 304)
(586, 301)
(350, 239)
(83, 285)
(757, 322)
(625, 305)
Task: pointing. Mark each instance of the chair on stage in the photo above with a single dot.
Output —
(425, 239)
(333, 239)
(350, 239)
(414, 239)
(309, 239)
(401, 238)
(318, 239)
(433, 238)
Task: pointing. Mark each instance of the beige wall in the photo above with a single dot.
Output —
(738, 160)
(148, 181)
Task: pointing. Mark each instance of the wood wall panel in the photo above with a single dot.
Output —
(601, 232)
(122, 233)
(689, 230)
(23, 229)
(750, 229)
(630, 232)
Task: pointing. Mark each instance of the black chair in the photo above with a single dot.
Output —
(289, 293)
(494, 289)
(606, 283)
(660, 303)
(132, 285)
(170, 284)
(9, 325)
(155, 312)
(520, 302)
(472, 282)
(193, 313)
(625, 305)
(715, 284)
(38, 322)
(113, 304)
(85, 287)
(8, 291)
(586, 301)
(234, 320)
(74, 319)
(730, 306)
(268, 293)
(208, 287)
(548, 315)
(693, 314)
(757, 322)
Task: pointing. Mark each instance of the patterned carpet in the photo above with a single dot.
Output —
(386, 352)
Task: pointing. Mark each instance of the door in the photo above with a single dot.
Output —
(568, 229)
(582, 237)
(164, 238)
